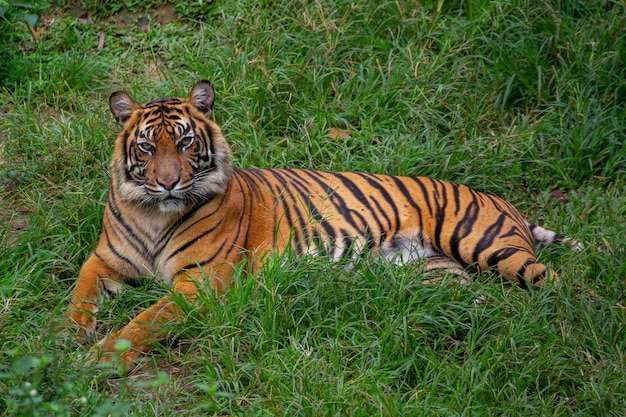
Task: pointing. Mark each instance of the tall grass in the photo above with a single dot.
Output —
(521, 99)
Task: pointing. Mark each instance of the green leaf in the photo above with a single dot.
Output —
(31, 19)
(24, 364)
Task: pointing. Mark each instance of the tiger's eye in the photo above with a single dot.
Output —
(185, 142)
(146, 147)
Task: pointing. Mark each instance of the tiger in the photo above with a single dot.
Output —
(177, 209)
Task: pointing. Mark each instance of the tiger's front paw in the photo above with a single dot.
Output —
(117, 354)
(81, 322)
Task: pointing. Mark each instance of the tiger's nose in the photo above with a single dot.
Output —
(169, 183)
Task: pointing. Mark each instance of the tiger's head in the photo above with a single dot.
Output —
(169, 155)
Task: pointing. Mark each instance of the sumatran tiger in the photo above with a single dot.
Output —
(178, 209)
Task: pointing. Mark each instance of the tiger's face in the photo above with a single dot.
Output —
(169, 155)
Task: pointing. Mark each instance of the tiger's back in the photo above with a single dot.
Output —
(178, 209)
(405, 219)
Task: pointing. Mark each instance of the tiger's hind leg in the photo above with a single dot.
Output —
(518, 265)
(437, 267)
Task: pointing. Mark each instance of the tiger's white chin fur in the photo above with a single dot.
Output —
(133, 194)
(172, 206)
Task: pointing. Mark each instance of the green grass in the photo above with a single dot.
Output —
(514, 98)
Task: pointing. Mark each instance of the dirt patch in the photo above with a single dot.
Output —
(125, 18)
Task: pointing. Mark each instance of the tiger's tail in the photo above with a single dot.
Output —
(547, 237)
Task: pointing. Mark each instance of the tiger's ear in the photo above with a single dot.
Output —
(122, 106)
(202, 97)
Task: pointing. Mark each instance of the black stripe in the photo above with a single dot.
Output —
(131, 233)
(375, 182)
(401, 187)
(500, 255)
(464, 227)
(177, 226)
(440, 201)
(192, 241)
(206, 261)
(358, 193)
(337, 198)
(303, 190)
(488, 237)
(245, 183)
(290, 206)
(425, 196)
(255, 177)
(245, 211)
(121, 235)
(526, 264)
(304, 195)
(557, 238)
(117, 254)
(457, 198)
